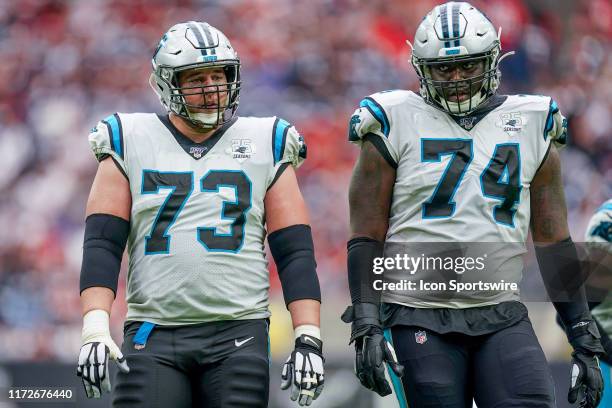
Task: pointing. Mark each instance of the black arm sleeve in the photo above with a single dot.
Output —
(562, 276)
(360, 259)
(293, 251)
(105, 239)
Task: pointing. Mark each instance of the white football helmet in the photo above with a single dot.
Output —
(194, 45)
(457, 32)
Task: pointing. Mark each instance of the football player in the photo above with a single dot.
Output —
(193, 193)
(458, 162)
(598, 237)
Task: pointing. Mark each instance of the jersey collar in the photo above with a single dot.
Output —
(195, 150)
(468, 122)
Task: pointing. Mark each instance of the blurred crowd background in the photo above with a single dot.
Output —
(64, 65)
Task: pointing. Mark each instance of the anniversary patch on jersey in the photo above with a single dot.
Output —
(242, 149)
(510, 122)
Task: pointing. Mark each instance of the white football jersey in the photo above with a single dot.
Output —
(463, 180)
(196, 243)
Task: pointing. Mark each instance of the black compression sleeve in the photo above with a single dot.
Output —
(562, 276)
(293, 252)
(360, 260)
(105, 239)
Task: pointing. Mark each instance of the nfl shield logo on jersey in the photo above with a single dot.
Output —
(420, 337)
(467, 122)
(197, 151)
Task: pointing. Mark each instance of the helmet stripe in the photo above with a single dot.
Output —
(455, 16)
(209, 38)
(198, 35)
(444, 22)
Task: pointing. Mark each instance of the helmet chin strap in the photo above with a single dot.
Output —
(463, 108)
(207, 119)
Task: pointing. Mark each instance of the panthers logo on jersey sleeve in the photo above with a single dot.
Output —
(556, 125)
(373, 121)
(288, 146)
(106, 139)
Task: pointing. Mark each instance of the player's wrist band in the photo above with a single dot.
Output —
(105, 239)
(95, 323)
(293, 252)
(309, 330)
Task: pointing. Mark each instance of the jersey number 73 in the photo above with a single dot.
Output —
(181, 186)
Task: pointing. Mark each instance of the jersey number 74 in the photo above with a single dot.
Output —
(500, 179)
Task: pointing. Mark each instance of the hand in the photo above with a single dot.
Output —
(97, 348)
(586, 383)
(303, 370)
(372, 351)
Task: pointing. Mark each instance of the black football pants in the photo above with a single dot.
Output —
(213, 365)
(505, 369)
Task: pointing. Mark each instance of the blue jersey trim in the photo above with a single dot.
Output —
(552, 109)
(606, 373)
(279, 138)
(378, 112)
(113, 123)
(395, 380)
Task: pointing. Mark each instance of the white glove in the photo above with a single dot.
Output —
(97, 347)
(303, 370)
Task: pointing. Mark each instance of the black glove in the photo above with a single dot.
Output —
(372, 350)
(586, 385)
